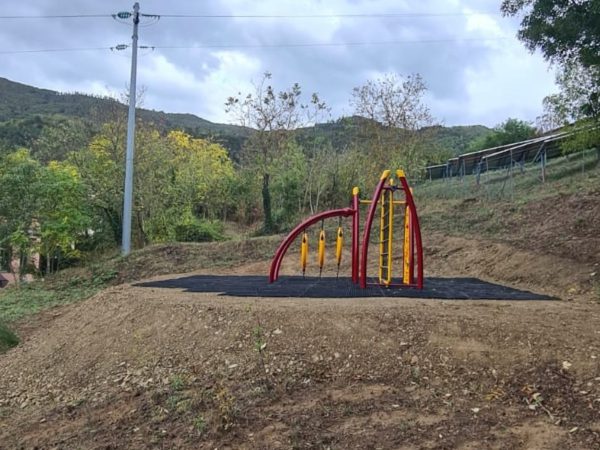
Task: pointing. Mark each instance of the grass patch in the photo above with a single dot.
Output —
(78, 283)
(31, 298)
(459, 207)
(8, 339)
(67, 286)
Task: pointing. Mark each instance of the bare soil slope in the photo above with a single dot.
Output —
(141, 368)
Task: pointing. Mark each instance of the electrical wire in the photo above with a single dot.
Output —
(320, 16)
(330, 44)
(54, 50)
(266, 46)
(58, 16)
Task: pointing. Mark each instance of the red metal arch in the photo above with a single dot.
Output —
(285, 244)
(416, 230)
(369, 222)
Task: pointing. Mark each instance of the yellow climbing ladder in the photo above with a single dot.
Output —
(386, 235)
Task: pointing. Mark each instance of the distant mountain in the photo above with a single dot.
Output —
(444, 142)
(19, 101)
(25, 110)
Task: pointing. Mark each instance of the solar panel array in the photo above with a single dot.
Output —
(499, 157)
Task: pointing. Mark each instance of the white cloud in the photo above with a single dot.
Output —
(197, 90)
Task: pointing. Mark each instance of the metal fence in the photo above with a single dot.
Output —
(520, 153)
(509, 172)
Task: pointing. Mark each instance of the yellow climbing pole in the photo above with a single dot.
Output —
(339, 244)
(321, 251)
(304, 252)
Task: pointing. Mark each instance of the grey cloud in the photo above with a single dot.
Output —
(331, 71)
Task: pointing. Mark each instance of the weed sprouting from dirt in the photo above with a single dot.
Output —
(260, 347)
(177, 382)
(199, 424)
(226, 406)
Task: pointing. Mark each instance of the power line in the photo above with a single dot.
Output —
(266, 46)
(320, 16)
(54, 50)
(330, 44)
(58, 16)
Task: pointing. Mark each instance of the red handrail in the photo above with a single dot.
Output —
(285, 244)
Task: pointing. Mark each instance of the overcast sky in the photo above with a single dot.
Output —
(476, 70)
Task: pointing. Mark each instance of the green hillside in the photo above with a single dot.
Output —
(27, 112)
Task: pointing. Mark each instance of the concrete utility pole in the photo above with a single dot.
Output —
(128, 193)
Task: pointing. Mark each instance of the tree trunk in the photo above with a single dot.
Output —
(115, 224)
(266, 197)
(143, 235)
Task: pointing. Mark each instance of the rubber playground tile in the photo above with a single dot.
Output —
(331, 287)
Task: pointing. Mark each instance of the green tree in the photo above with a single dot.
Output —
(42, 208)
(59, 137)
(63, 217)
(272, 115)
(564, 30)
(101, 167)
(175, 176)
(575, 100)
(567, 32)
(203, 174)
(508, 132)
(289, 180)
(19, 203)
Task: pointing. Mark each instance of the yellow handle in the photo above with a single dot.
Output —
(339, 243)
(321, 249)
(304, 251)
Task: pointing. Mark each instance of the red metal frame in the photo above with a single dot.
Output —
(355, 232)
(367, 231)
(416, 230)
(285, 244)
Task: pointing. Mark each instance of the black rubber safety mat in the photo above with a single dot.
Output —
(330, 287)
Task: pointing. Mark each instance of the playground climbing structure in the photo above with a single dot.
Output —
(392, 197)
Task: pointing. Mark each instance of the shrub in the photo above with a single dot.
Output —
(197, 230)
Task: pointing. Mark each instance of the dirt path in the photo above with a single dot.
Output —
(158, 368)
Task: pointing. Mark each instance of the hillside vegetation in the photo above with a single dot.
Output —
(26, 111)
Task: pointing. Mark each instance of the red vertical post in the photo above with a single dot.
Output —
(411, 243)
(418, 247)
(355, 233)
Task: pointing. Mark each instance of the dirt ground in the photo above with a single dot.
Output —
(152, 368)
(139, 368)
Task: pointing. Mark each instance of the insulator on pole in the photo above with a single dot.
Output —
(321, 251)
(304, 252)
